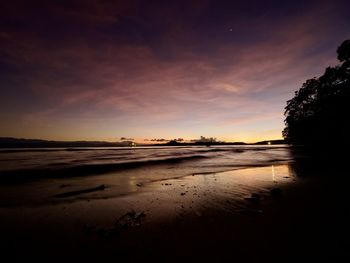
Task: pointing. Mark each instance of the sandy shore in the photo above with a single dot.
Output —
(199, 217)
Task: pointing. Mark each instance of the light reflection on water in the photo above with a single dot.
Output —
(273, 172)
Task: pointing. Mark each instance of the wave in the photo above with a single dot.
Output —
(136, 149)
(25, 175)
(30, 150)
(83, 149)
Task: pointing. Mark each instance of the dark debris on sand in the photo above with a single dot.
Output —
(254, 198)
(129, 220)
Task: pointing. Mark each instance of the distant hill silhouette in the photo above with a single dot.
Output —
(319, 112)
(6, 142)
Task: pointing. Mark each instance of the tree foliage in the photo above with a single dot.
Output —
(319, 111)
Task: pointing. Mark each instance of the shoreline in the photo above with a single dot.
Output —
(23, 167)
(194, 217)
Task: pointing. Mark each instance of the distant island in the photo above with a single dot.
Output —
(8, 142)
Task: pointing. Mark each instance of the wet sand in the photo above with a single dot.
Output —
(232, 215)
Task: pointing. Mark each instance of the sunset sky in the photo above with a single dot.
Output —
(101, 70)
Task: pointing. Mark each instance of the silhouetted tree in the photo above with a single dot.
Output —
(344, 51)
(319, 111)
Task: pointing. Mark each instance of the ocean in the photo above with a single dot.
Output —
(36, 175)
(31, 163)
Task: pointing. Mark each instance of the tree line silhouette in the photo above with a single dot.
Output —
(319, 112)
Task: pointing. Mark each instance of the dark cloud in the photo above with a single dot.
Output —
(159, 140)
(126, 139)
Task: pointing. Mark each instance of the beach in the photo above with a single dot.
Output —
(174, 131)
(267, 209)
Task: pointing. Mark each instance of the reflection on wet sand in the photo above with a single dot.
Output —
(239, 210)
(171, 198)
(224, 190)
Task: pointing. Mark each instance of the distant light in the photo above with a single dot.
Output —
(269, 143)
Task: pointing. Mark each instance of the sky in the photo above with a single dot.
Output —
(101, 70)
